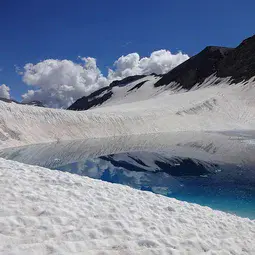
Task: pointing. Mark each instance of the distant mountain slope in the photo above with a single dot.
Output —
(237, 63)
(101, 95)
(130, 89)
(8, 100)
(34, 103)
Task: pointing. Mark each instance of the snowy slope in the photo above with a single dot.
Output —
(210, 108)
(50, 212)
(140, 89)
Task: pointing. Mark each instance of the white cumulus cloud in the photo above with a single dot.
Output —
(5, 91)
(59, 83)
(159, 62)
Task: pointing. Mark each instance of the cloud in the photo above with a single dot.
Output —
(59, 83)
(159, 62)
(5, 91)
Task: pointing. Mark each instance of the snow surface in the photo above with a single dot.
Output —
(126, 94)
(51, 212)
(210, 108)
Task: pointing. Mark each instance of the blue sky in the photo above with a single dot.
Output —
(33, 30)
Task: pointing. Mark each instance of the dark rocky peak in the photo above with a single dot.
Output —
(157, 75)
(237, 63)
(197, 68)
(126, 80)
(96, 98)
(223, 51)
(240, 63)
(8, 100)
(250, 41)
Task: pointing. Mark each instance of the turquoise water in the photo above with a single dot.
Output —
(222, 187)
(211, 170)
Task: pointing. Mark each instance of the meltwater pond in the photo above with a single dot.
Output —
(211, 169)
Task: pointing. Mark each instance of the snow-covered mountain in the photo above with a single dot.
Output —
(34, 103)
(237, 63)
(124, 91)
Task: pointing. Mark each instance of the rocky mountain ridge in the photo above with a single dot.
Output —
(237, 63)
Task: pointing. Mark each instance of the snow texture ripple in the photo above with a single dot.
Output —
(209, 108)
(51, 212)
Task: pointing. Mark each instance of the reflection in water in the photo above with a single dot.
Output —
(211, 170)
(223, 187)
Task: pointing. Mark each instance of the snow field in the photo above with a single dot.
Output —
(51, 212)
(207, 109)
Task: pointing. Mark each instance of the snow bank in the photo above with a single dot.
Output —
(222, 107)
(51, 212)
